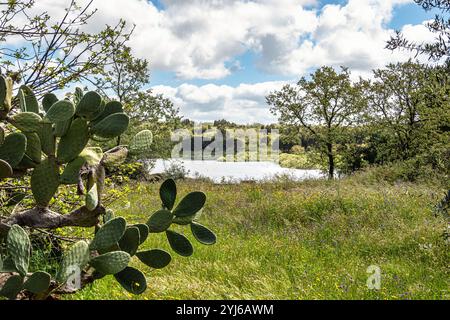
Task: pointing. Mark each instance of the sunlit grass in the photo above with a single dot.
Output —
(310, 240)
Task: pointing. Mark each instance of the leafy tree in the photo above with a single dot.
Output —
(409, 101)
(51, 55)
(324, 106)
(440, 48)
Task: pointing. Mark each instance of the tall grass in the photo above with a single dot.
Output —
(309, 240)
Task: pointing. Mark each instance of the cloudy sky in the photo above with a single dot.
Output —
(220, 58)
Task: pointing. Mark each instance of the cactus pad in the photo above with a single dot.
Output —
(143, 232)
(112, 126)
(48, 101)
(156, 259)
(38, 282)
(33, 150)
(13, 148)
(141, 142)
(160, 221)
(168, 193)
(48, 140)
(109, 234)
(132, 280)
(19, 246)
(130, 241)
(89, 105)
(28, 101)
(111, 262)
(72, 170)
(179, 243)
(76, 258)
(74, 142)
(60, 111)
(12, 287)
(5, 170)
(45, 181)
(92, 198)
(203, 234)
(111, 107)
(5, 93)
(190, 205)
(27, 121)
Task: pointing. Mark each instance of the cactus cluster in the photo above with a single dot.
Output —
(50, 140)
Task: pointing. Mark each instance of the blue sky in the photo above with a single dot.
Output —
(249, 73)
(219, 59)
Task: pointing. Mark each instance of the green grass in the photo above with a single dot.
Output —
(310, 240)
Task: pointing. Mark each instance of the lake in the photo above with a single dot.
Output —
(235, 172)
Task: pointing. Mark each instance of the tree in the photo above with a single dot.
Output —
(406, 100)
(323, 106)
(440, 48)
(52, 55)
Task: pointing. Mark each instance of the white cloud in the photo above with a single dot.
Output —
(242, 104)
(200, 39)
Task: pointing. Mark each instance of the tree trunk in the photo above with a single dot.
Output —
(330, 161)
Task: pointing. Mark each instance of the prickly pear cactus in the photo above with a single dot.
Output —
(52, 142)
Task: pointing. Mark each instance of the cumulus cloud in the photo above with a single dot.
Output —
(203, 39)
(242, 104)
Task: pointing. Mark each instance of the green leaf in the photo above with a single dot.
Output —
(12, 287)
(38, 282)
(19, 248)
(60, 111)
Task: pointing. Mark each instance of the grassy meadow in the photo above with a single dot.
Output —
(299, 240)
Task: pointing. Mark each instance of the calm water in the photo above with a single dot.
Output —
(236, 171)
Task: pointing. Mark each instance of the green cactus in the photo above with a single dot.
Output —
(160, 221)
(2, 136)
(72, 171)
(111, 262)
(61, 128)
(109, 234)
(141, 142)
(74, 142)
(19, 246)
(130, 241)
(60, 111)
(168, 193)
(143, 232)
(110, 108)
(45, 181)
(112, 126)
(203, 234)
(27, 121)
(89, 105)
(190, 205)
(5, 93)
(12, 287)
(179, 243)
(156, 259)
(5, 170)
(38, 282)
(92, 198)
(109, 215)
(75, 259)
(13, 148)
(132, 280)
(34, 148)
(27, 100)
(48, 101)
(48, 140)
